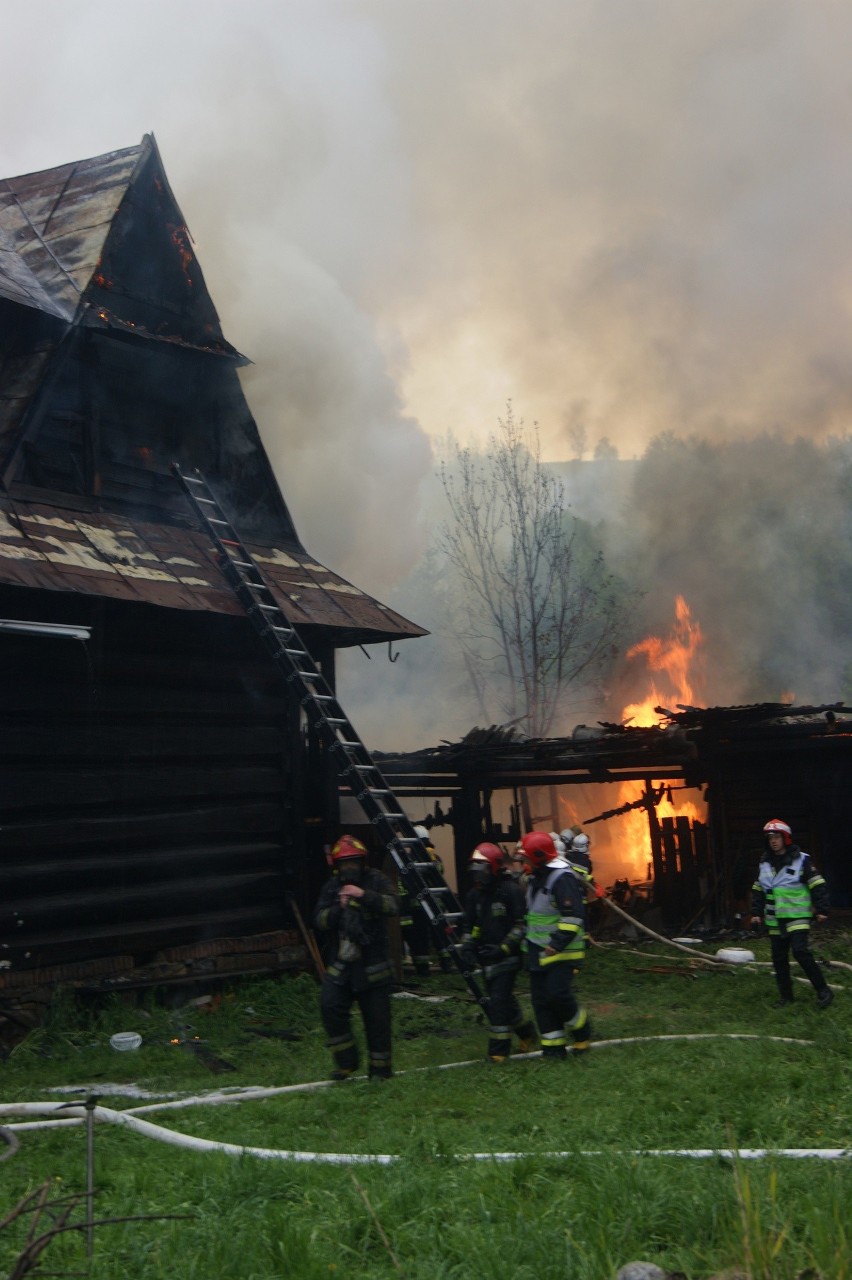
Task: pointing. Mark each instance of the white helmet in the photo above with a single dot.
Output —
(581, 843)
(559, 843)
(567, 837)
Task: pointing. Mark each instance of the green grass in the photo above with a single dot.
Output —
(436, 1213)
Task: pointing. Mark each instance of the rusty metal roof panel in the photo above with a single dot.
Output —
(53, 225)
(51, 549)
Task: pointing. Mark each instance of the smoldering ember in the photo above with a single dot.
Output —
(175, 762)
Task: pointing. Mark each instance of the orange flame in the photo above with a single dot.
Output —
(673, 656)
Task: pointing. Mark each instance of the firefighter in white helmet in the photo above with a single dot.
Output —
(787, 893)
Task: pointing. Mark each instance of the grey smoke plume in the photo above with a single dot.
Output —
(634, 215)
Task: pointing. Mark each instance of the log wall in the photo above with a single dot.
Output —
(152, 786)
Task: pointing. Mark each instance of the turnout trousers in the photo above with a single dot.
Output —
(556, 1007)
(505, 1015)
(336, 1001)
(797, 941)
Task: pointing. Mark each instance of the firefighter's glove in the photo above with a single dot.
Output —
(491, 953)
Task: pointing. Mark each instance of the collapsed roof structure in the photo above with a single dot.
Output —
(748, 764)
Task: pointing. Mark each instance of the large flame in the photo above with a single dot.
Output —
(622, 845)
(672, 658)
(672, 655)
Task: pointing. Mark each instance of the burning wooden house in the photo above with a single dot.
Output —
(163, 803)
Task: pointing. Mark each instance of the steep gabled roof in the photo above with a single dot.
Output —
(63, 230)
(53, 225)
(113, 364)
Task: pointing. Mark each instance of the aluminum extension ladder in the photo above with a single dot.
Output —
(420, 875)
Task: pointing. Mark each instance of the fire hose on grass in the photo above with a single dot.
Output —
(75, 1114)
(717, 960)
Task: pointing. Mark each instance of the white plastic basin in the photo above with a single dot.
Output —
(125, 1040)
(735, 955)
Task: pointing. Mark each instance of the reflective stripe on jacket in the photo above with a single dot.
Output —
(790, 891)
(555, 917)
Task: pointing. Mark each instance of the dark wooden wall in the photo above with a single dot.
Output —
(808, 786)
(152, 784)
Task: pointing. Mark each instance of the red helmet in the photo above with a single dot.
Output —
(490, 855)
(538, 849)
(775, 827)
(348, 847)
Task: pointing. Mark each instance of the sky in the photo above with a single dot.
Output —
(632, 216)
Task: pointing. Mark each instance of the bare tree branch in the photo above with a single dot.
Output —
(541, 612)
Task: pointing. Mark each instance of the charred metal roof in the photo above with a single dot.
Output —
(102, 555)
(106, 329)
(52, 229)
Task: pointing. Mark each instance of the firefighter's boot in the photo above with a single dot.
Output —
(526, 1037)
(581, 1034)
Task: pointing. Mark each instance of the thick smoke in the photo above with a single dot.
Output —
(631, 217)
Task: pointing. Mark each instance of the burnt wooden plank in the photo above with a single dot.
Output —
(54, 738)
(104, 901)
(52, 789)
(55, 946)
(127, 828)
(145, 865)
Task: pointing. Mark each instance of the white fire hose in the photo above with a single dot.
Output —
(130, 1119)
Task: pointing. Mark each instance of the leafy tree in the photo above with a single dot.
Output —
(540, 614)
(605, 450)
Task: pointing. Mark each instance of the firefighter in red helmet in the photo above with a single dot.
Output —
(352, 909)
(787, 893)
(555, 946)
(494, 911)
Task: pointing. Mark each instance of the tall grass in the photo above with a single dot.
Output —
(437, 1213)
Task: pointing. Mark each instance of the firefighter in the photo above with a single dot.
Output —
(787, 893)
(555, 945)
(578, 854)
(353, 908)
(417, 932)
(494, 912)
